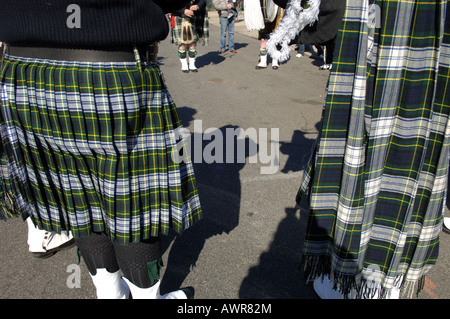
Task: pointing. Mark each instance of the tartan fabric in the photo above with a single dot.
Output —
(376, 181)
(176, 31)
(87, 147)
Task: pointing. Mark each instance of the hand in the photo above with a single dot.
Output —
(194, 7)
(189, 13)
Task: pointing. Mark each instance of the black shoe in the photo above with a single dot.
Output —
(189, 292)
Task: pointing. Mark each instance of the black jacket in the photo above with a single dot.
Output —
(325, 29)
(103, 23)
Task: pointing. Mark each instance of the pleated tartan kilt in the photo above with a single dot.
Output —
(87, 147)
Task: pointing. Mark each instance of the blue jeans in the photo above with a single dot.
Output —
(225, 24)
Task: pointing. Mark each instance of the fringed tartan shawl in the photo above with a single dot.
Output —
(376, 182)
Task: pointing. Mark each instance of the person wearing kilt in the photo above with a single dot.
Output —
(88, 136)
(189, 26)
(376, 181)
(255, 20)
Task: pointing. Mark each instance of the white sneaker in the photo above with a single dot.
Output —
(153, 292)
(326, 66)
(43, 244)
(299, 55)
(324, 289)
(446, 227)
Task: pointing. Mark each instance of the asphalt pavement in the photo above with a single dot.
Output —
(249, 244)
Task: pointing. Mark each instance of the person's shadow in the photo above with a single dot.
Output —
(219, 189)
(212, 57)
(278, 274)
(299, 150)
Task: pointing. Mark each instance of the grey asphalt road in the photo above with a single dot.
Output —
(249, 244)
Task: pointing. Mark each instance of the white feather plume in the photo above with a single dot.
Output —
(294, 20)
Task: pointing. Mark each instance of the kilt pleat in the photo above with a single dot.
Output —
(377, 179)
(87, 147)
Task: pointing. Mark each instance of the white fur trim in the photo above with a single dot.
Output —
(294, 20)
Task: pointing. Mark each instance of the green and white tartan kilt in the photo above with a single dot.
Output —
(176, 31)
(376, 182)
(87, 147)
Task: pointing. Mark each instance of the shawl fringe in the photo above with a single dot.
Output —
(8, 205)
(315, 267)
(320, 266)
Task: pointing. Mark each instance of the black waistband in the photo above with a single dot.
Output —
(148, 53)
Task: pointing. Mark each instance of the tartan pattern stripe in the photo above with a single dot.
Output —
(376, 181)
(87, 147)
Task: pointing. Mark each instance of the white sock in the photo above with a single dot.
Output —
(110, 285)
(192, 64)
(263, 61)
(153, 292)
(184, 64)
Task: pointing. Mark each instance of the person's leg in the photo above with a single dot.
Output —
(183, 58)
(329, 53)
(231, 33)
(300, 50)
(98, 253)
(275, 64)
(319, 53)
(140, 264)
(329, 48)
(223, 33)
(192, 52)
(262, 55)
(139, 261)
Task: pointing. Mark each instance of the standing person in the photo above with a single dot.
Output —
(376, 181)
(88, 129)
(227, 18)
(319, 27)
(259, 18)
(264, 36)
(189, 25)
(324, 30)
